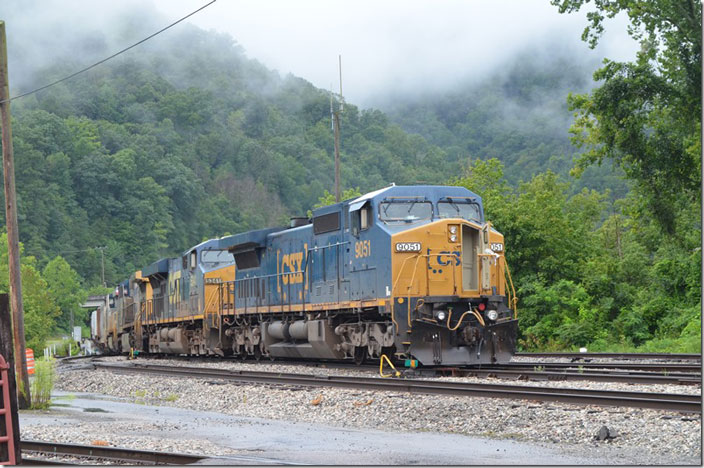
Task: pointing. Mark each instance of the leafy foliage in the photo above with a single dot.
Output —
(40, 311)
(646, 115)
(586, 277)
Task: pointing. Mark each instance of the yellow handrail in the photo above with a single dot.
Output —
(211, 299)
(393, 298)
(512, 299)
(381, 367)
(457, 325)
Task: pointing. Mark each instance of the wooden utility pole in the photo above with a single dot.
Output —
(102, 265)
(13, 237)
(7, 352)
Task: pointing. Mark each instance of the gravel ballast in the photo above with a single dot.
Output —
(637, 436)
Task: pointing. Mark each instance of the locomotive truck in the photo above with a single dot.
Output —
(412, 272)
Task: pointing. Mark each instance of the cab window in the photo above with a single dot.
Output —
(364, 218)
(361, 219)
(407, 211)
(459, 209)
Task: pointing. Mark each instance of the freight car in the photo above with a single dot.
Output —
(413, 272)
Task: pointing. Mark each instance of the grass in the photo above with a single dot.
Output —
(141, 397)
(42, 383)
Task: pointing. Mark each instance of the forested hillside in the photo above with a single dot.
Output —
(149, 155)
(518, 115)
(189, 139)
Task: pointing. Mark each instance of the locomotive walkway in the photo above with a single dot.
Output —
(672, 402)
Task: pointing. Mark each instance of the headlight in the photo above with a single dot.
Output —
(440, 315)
(492, 315)
(452, 230)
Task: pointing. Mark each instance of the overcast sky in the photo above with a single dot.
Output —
(393, 44)
(386, 45)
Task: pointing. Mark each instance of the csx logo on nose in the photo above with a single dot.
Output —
(445, 258)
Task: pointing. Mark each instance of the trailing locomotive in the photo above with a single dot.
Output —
(413, 272)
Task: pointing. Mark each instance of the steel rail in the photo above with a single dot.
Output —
(591, 375)
(145, 457)
(664, 367)
(674, 402)
(634, 356)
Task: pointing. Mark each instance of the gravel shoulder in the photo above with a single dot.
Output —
(565, 432)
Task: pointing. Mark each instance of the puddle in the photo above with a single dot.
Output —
(94, 410)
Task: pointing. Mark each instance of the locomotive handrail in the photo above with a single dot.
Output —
(410, 285)
(512, 299)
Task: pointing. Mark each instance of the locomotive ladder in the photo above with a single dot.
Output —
(6, 412)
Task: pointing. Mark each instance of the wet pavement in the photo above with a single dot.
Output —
(266, 441)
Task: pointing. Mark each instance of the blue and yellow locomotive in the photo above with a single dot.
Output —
(413, 272)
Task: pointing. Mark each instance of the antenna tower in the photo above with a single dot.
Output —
(336, 130)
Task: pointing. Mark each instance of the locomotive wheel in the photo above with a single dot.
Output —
(257, 353)
(360, 355)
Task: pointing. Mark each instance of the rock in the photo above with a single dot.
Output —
(606, 433)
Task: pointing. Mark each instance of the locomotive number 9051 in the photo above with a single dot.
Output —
(408, 247)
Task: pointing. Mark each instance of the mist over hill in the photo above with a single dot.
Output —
(187, 138)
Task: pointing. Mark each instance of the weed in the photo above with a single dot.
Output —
(580, 369)
(171, 397)
(42, 384)
(140, 393)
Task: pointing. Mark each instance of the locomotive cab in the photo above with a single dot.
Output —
(451, 296)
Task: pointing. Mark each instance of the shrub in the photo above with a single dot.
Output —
(42, 383)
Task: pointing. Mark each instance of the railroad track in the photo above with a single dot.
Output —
(626, 356)
(45, 453)
(594, 375)
(634, 373)
(665, 368)
(673, 402)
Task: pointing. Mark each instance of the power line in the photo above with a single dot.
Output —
(108, 58)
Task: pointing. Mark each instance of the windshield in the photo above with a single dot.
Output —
(216, 256)
(405, 211)
(452, 209)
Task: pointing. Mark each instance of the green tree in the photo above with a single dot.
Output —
(328, 198)
(646, 115)
(40, 311)
(64, 286)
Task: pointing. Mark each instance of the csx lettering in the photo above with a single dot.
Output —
(445, 258)
(292, 263)
(362, 249)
